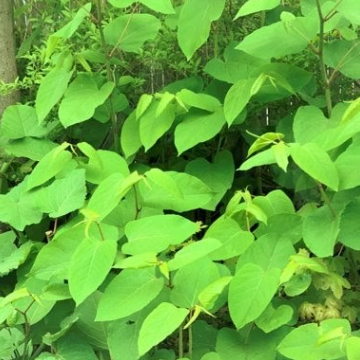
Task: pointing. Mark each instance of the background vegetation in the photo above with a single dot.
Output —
(181, 181)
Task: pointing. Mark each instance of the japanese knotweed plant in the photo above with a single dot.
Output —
(127, 232)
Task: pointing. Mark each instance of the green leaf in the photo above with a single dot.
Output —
(320, 232)
(309, 121)
(252, 6)
(16, 258)
(282, 152)
(157, 233)
(18, 207)
(193, 252)
(199, 101)
(187, 133)
(250, 292)
(218, 175)
(237, 98)
(30, 148)
(268, 251)
(282, 38)
(271, 319)
(314, 161)
(130, 135)
(349, 225)
(89, 266)
(305, 340)
(264, 140)
(197, 14)
(352, 348)
(51, 90)
(159, 324)
(234, 240)
(153, 126)
(113, 189)
(174, 191)
(49, 166)
(143, 104)
(69, 29)
(128, 293)
(82, 98)
(162, 6)
(210, 294)
(63, 196)
(19, 121)
(266, 157)
(129, 32)
(190, 280)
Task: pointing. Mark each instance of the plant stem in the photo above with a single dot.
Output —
(190, 342)
(325, 79)
(181, 341)
(109, 74)
(326, 200)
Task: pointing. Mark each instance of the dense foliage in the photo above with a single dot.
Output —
(182, 181)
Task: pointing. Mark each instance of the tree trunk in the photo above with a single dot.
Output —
(8, 71)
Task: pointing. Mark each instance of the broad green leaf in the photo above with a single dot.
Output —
(266, 157)
(281, 152)
(7, 245)
(129, 32)
(250, 292)
(18, 207)
(159, 324)
(274, 203)
(271, 319)
(30, 148)
(352, 348)
(282, 38)
(237, 98)
(130, 135)
(128, 293)
(305, 340)
(63, 196)
(139, 261)
(236, 65)
(346, 165)
(190, 280)
(264, 140)
(143, 104)
(187, 133)
(269, 251)
(82, 98)
(252, 6)
(123, 339)
(75, 347)
(113, 189)
(162, 6)
(96, 332)
(49, 166)
(51, 90)
(234, 240)
(17, 257)
(157, 233)
(102, 163)
(69, 29)
(232, 344)
(309, 121)
(298, 284)
(153, 126)
(89, 266)
(314, 161)
(344, 57)
(218, 175)
(197, 14)
(199, 101)
(350, 226)
(320, 232)
(210, 294)
(192, 252)
(19, 121)
(174, 191)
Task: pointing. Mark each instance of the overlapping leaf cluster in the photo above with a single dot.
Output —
(129, 233)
